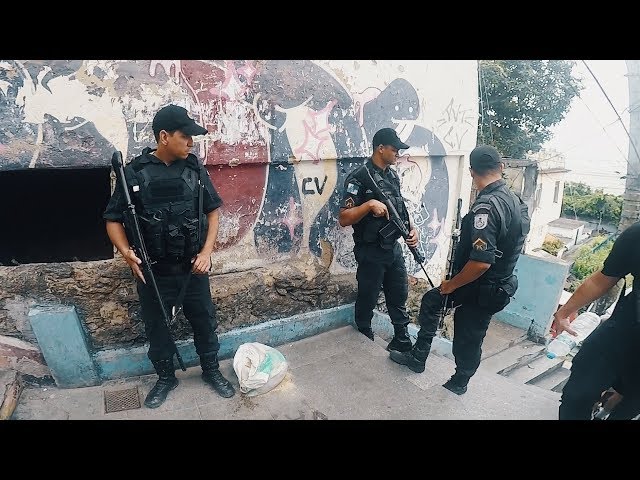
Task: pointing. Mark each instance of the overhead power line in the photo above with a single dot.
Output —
(614, 109)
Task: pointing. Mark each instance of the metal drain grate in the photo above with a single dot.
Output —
(118, 400)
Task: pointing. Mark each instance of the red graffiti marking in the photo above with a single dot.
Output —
(238, 171)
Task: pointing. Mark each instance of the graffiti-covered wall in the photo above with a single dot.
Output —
(283, 136)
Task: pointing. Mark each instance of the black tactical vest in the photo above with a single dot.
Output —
(511, 238)
(167, 205)
(367, 230)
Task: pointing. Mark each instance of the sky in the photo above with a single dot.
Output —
(591, 138)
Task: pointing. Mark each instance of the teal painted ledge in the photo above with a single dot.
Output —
(540, 285)
(120, 363)
(63, 344)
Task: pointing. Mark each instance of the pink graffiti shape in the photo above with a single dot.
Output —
(248, 71)
(316, 130)
(291, 220)
(231, 88)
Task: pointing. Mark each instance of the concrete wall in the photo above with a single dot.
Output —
(550, 206)
(569, 235)
(540, 285)
(283, 136)
(546, 210)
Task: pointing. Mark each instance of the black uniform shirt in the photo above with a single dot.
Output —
(355, 194)
(210, 201)
(624, 257)
(481, 227)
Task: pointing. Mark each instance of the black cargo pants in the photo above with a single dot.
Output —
(380, 268)
(198, 309)
(475, 307)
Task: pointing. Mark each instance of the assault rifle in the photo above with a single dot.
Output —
(394, 217)
(455, 236)
(137, 242)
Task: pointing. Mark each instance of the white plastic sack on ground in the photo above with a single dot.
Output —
(259, 368)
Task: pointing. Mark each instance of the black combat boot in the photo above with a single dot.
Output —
(401, 341)
(167, 381)
(367, 332)
(211, 375)
(457, 384)
(416, 358)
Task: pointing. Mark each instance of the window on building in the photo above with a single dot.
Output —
(536, 202)
(52, 215)
(556, 192)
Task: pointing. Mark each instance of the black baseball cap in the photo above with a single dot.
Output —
(388, 136)
(484, 158)
(173, 117)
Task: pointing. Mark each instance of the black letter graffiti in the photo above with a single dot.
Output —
(319, 188)
(304, 186)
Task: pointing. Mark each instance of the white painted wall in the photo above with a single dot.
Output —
(548, 207)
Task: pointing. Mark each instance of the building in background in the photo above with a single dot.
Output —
(539, 180)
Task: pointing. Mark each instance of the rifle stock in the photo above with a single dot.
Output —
(397, 221)
(137, 242)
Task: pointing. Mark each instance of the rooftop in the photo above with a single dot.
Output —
(566, 223)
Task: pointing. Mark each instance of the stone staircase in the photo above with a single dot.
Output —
(509, 353)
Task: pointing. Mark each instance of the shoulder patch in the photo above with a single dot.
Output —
(480, 220)
(352, 188)
(349, 203)
(481, 206)
(480, 245)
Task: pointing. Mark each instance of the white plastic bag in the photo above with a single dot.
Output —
(259, 368)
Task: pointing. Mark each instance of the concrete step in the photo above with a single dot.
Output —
(501, 336)
(552, 379)
(511, 358)
(338, 375)
(558, 388)
(536, 368)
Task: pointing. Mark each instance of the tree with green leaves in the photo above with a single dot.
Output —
(580, 201)
(520, 100)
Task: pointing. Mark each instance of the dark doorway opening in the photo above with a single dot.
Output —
(52, 215)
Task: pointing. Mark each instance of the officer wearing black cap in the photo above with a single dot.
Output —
(164, 186)
(376, 249)
(491, 239)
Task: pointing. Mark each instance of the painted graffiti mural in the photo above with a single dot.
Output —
(283, 135)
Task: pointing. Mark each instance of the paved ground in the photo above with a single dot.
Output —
(338, 375)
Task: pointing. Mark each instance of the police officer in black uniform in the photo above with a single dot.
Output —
(491, 239)
(609, 356)
(376, 249)
(164, 188)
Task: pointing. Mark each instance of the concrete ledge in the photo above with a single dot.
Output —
(119, 363)
(63, 344)
(540, 285)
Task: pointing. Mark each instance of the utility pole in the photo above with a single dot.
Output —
(631, 198)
